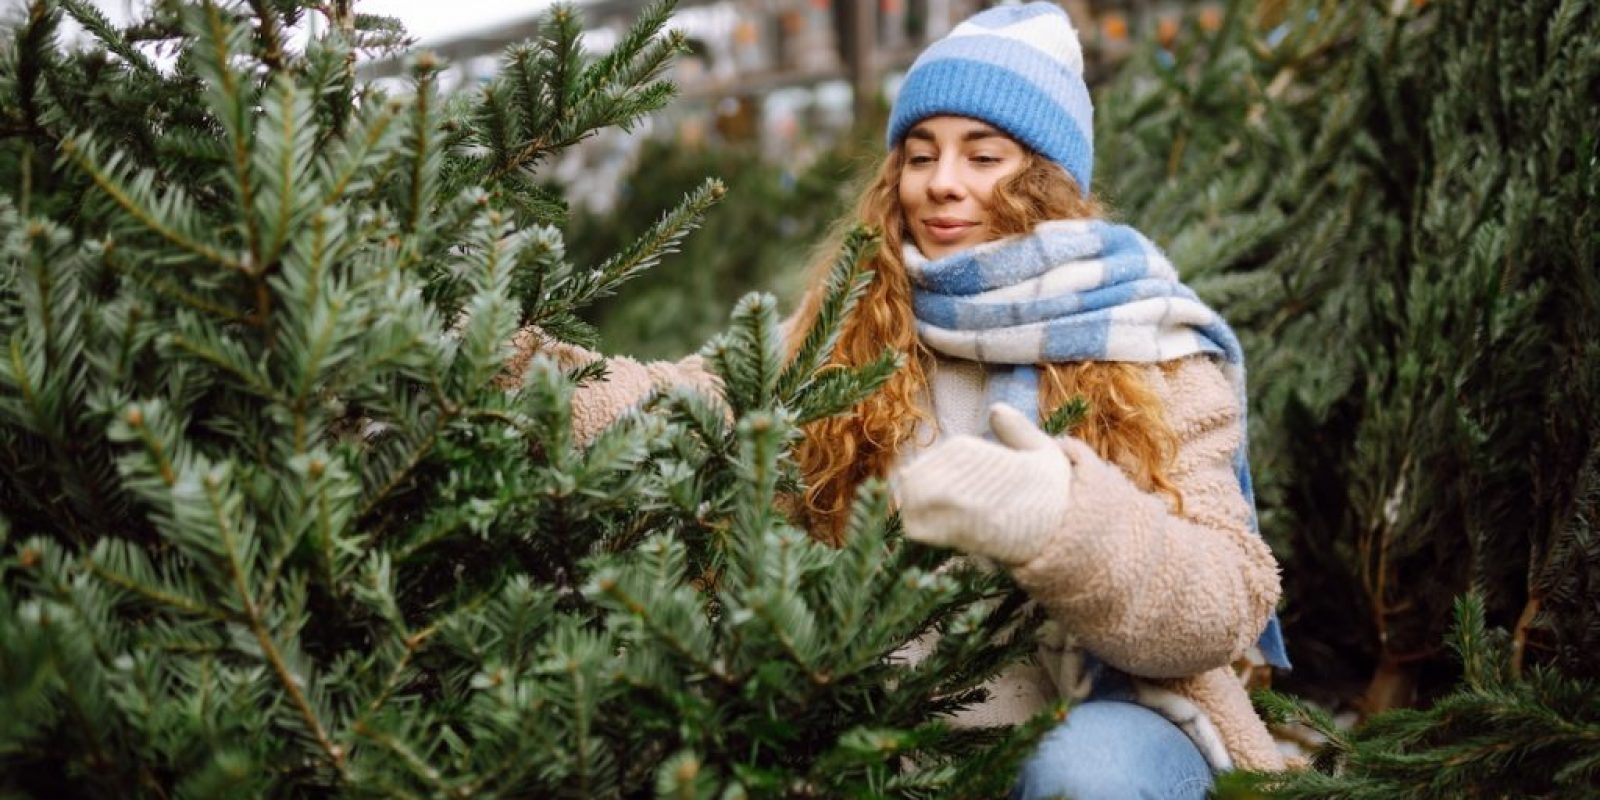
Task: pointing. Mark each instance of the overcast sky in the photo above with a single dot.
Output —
(432, 20)
(428, 20)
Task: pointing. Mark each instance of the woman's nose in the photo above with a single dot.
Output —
(945, 182)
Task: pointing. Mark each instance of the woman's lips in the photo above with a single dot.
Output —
(945, 231)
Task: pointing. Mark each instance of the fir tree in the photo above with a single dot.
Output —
(1395, 204)
(273, 527)
(1500, 733)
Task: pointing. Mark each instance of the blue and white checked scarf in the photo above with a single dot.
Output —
(1073, 290)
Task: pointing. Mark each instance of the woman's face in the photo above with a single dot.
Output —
(947, 181)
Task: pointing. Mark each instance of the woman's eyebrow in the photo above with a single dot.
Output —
(973, 135)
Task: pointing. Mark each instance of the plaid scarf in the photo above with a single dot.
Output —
(1074, 290)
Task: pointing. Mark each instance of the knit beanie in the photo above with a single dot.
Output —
(1018, 68)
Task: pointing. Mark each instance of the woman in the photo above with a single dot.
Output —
(1136, 533)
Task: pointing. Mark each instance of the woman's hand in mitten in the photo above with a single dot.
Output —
(998, 499)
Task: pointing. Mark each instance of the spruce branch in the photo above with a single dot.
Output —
(199, 339)
(546, 399)
(683, 776)
(169, 215)
(126, 567)
(511, 419)
(561, 102)
(231, 101)
(842, 289)
(23, 374)
(89, 604)
(407, 337)
(662, 239)
(96, 24)
(990, 773)
(638, 78)
(561, 59)
(701, 416)
(1469, 641)
(378, 31)
(776, 600)
(761, 436)
(352, 165)
(1495, 735)
(201, 511)
(572, 663)
(838, 389)
(1067, 416)
(43, 377)
(414, 763)
(759, 342)
(749, 355)
(114, 259)
(534, 108)
(284, 151)
(320, 324)
(422, 146)
(530, 152)
(54, 622)
(269, 30)
(864, 564)
(238, 547)
(377, 591)
(649, 594)
(322, 494)
(490, 316)
(1565, 569)
(631, 61)
(617, 454)
(397, 676)
(499, 120)
(36, 64)
(389, 468)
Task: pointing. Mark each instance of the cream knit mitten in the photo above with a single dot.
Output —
(1001, 500)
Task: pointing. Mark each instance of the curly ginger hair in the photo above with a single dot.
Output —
(1125, 423)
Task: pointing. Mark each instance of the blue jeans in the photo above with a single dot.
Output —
(1114, 749)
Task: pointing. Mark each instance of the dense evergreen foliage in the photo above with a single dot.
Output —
(270, 525)
(1396, 204)
(1499, 733)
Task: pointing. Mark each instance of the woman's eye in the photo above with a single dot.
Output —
(919, 160)
(987, 159)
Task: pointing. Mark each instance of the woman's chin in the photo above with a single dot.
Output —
(935, 248)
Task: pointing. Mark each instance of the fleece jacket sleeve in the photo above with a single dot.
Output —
(626, 384)
(1154, 592)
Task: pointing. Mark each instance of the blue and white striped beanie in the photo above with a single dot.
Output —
(1018, 68)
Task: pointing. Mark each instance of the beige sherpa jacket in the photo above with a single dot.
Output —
(626, 384)
(1171, 599)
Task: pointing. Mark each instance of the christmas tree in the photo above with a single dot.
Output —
(1395, 204)
(272, 523)
(1501, 732)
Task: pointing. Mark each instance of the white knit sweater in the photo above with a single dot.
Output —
(955, 396)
